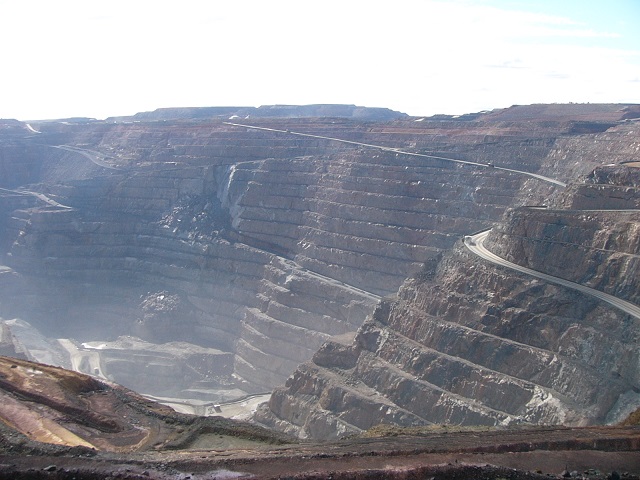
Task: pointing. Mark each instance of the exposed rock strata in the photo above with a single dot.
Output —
(475, 345)
(592, 239)
(272, 242)
(472, 343)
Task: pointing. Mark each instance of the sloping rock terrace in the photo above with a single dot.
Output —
(467, 342)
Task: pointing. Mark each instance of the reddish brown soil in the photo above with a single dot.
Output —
(95, 430)
(590, 452)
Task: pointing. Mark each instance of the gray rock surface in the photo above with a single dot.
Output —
(468, 342)
(266, 244)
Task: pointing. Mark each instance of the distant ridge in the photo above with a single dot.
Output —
(267, 111)
(562, 111)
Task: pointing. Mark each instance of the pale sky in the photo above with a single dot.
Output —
(100, 58)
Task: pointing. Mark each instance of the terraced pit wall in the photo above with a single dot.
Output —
(268, 243)
(469, 342)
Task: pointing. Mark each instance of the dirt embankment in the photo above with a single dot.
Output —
(43, 406)
(63, 425)
(582, 453)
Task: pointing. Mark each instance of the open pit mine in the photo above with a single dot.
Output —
(341, 267)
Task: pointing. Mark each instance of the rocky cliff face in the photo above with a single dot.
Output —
(452, 350)
(469, 342)
(592, 239)
(260, 243)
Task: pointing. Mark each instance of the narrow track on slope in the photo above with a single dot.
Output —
(95, 157)
(475, 244)
(38, 195)
(403, 152)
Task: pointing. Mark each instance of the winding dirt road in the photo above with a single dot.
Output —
(38, 195)
(96, 157)
(475, 243)
(403, 152)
